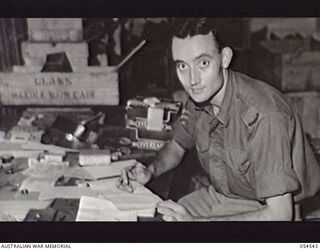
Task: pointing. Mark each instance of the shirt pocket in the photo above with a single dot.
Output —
(239, 160)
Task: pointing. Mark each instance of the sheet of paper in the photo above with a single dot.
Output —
(37, 184)
(34, 162)
(44, 170)
(20, 208)
(141, 198)
(94, 209)
(104, 171)
(52, 148)
(8, 145)
(25, 132)
(66, 192)
(17, 150)
(76, 172)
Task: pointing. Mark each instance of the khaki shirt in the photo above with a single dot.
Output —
(255, 147)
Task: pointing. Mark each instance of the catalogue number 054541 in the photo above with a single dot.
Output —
(308, 245)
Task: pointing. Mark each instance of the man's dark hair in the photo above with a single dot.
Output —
(183, 27)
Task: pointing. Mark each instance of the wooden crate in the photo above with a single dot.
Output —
(34, 54)
(307, 104)
(55, 29)
(289, 65)
(59, 89)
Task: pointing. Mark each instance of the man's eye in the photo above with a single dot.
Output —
(181, 66)
(204, 63)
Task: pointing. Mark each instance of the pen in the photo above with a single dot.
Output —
(129, 187)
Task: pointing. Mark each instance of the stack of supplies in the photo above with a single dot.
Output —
(150, 121)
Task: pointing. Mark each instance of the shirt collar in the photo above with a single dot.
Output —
(223, 115)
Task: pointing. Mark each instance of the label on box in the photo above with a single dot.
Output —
(59, 89)
(149, 144)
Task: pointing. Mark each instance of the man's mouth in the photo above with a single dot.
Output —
(197, 90)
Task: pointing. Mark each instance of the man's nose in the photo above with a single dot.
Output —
(194, 77)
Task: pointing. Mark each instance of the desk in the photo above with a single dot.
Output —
(66, 209)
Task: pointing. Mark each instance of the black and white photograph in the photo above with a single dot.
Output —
(153, 120)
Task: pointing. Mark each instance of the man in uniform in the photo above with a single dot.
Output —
(249, 140)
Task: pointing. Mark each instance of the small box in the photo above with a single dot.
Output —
(53, 157)
(94, 157)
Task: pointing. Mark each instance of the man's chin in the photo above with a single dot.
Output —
(201, 101)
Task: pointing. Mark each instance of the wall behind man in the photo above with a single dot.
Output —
(150, 71)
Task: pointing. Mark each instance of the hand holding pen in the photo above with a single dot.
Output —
(138, 172)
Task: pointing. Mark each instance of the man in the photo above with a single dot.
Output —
(248, 139)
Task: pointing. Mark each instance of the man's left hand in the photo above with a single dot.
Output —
(173, 211)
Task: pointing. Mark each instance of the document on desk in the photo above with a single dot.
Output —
(38, 184)
(19, 209)
(66, 192)
(76, 172)
(44, 170)
(17, 149)
(95, 209)
(111, 170)
(30, 145)
(142, 200)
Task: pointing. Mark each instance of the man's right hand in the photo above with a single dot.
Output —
(137, 172)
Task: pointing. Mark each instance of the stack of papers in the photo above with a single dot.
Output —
(66, 192)
(100, 199)
(41, 177)
(37, 184)
(142, 202)
(17, 149)
(94, 209)
(18, 209)
(107, 171)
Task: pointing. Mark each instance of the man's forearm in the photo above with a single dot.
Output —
(277, 209)
(167, 158)
(259, 215)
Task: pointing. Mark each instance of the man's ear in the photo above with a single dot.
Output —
(226, 57)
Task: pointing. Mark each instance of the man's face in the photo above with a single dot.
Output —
(198, 65)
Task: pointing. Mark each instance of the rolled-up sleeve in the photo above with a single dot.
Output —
(270, 155)
(183, 134)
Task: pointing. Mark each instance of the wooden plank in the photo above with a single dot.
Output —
(59, 89)
(79, 69)
(37, 49)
